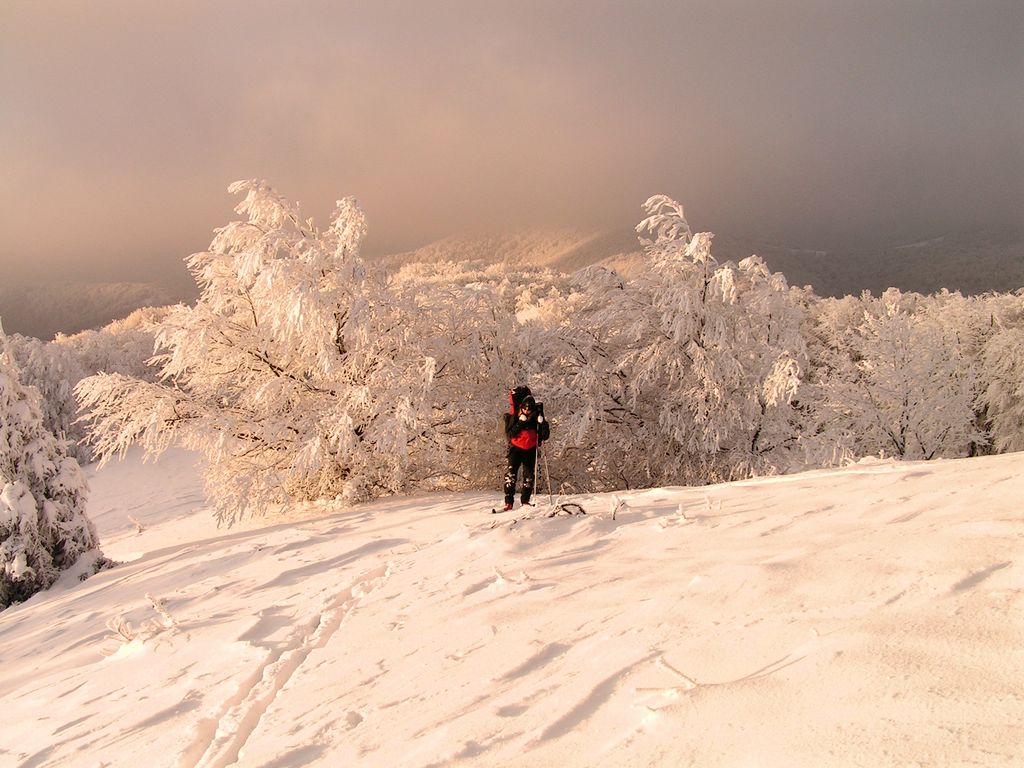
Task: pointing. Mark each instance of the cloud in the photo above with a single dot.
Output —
(123, 124)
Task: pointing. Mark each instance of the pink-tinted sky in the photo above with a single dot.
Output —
(818, 123)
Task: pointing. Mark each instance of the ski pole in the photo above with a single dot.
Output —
(547, 476)
(537, 461)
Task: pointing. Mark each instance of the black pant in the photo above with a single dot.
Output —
(527, 459)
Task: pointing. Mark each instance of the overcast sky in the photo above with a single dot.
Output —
(817, 123)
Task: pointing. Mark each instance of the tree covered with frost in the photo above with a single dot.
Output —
(43, 525)
(468, 319)
(897, 378)
(688, 373)
(607, 434)
(123, 346)
(1000, 402)
(54, 368)
(726, 349)
(293, 374)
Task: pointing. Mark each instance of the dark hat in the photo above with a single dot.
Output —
(519, 393)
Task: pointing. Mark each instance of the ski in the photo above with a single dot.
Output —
(496, 511)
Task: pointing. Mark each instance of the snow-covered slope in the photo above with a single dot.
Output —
(867, 616)
(565, 250)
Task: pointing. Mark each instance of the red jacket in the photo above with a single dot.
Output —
(526, 437)
(523, 434)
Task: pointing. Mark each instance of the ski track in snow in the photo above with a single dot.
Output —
(221, 739)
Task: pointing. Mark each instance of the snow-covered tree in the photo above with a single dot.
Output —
(718, 351)
(54, 370)
(971, 323)
(686, 373)
(1001, 399)
(607, 436)
(294, 374)
(43, 525)
(487, 327)
(899, 383)
(461, 316)
(122, 346)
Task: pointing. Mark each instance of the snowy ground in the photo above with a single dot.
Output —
(869, 616)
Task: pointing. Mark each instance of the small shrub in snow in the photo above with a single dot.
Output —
(120, 629)
(122, 632)
(166, 621)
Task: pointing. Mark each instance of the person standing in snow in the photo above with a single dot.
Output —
(525, 428)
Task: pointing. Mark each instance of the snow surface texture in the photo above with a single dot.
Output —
(866, 616)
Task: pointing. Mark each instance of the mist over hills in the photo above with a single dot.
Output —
(564, 250)
(46, 309)
(972, 262)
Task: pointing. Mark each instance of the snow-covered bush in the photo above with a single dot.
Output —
(461, 316)
(294, 374)
(487, 327)
(124, 346)
(43, 525)
(685, 374)
(1001, 399)
(709, 355)
(898, 379)
(607, 436)
(54, 370)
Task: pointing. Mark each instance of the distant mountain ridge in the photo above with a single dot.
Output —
(565, 250)
(46, 309)
(972, 262)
